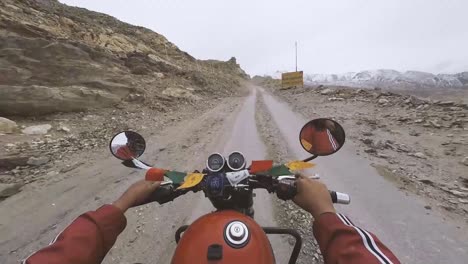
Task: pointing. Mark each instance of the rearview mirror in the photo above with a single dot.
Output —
(127, 145)
(322, 137)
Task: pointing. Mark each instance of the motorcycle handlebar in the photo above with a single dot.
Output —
(286, 190)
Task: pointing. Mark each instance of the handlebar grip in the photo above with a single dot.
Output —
(340, 198)
(162, 195)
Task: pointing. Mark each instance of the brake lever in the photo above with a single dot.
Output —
(292, 177)
(286, 177)
(165, 183)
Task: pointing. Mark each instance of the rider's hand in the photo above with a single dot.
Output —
(137, 194)
(313, 196)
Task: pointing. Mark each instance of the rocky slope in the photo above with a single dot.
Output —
(71, 78)
(56, 58)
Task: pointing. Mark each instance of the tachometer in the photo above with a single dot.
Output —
(236, 161)
(215, 162)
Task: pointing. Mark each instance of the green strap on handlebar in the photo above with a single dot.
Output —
(176, 177)
(279, 171)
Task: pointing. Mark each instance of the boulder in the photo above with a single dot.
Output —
(435, 124)
(135, 97)
(12, 161)
(37, 130)
(7, 126)
(459, 194)
(383, 101)
(367, 141)
(7, 190)
(446, 103)
(327, 91)
(37, 161)
(64, 129)
(414, 101)
(419, 155)
(180, 93)
(464, 161)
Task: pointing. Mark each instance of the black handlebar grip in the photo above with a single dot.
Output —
(286, 189)
(162, 195)
(333, 196)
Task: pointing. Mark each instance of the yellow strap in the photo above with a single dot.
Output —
(191, 180)
(299, 165)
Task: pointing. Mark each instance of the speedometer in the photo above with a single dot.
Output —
(236, 161)
(215, 162)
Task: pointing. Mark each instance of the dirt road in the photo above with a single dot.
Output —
(149, 235)
(32, 218)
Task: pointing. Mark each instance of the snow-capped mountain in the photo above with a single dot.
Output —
(391, 79)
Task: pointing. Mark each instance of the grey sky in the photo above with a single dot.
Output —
(334, 36)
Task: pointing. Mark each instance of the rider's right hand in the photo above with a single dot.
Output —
(313, 196)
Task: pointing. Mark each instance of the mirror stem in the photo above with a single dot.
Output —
(311, 158)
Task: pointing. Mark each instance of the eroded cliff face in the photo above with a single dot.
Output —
(57, 58)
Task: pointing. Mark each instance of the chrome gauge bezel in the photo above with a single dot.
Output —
(229, 165)
(208, 165)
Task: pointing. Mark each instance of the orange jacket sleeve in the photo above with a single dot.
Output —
(86, 241)
(344, 243)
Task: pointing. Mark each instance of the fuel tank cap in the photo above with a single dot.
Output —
(236, 234)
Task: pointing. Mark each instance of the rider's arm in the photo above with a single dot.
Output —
(339, 239)
(88, 239)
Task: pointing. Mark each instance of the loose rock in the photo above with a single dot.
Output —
(37, 161)
(327, 91)
(37, 130)
(335, 99)
(446, 103)
(383, 101)
(7, 126)
(419, 155)
(464, 161)
(64, 129)
(435, 124)
(459, 194)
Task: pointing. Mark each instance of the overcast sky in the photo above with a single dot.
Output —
(334, 36)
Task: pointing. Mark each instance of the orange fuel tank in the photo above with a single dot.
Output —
(224, 237)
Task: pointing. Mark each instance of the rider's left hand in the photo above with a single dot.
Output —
(138, 193)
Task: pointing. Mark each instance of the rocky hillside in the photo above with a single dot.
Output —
(56, 58)
(392, 79)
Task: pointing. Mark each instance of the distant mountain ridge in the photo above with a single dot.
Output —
(391, 79)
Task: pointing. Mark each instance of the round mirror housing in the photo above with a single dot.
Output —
(127, 145)
(322, 137)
